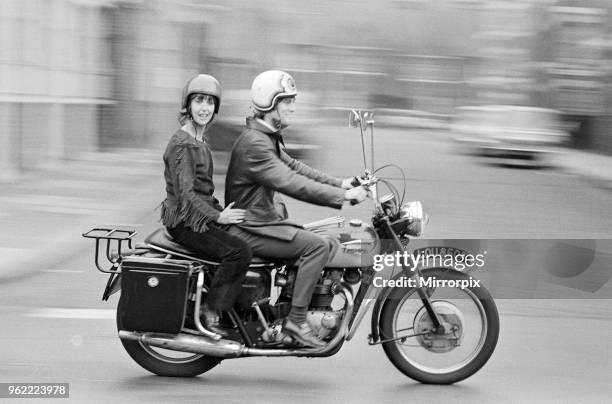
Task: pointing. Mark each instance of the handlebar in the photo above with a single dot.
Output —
(368, 182)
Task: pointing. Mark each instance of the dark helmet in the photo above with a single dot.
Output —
(204, 84)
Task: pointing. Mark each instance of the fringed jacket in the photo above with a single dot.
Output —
(260, 170)
(188, 171)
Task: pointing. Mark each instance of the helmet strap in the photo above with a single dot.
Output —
(276, 119)
(272, 118)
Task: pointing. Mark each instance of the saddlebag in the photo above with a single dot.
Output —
(154, 294)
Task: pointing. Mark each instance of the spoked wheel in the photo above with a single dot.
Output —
(166, 362)
(471, 329)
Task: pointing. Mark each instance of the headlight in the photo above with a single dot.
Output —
(411, 220)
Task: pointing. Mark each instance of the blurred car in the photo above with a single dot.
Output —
(512, 135)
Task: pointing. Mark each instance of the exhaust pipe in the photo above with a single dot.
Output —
(187, 343)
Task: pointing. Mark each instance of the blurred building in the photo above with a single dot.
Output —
(579, 75)
(79, 75)
(55, 76)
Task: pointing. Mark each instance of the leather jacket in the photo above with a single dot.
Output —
(188, 173)
(259, 170)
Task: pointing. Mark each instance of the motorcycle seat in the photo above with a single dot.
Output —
(161, 240)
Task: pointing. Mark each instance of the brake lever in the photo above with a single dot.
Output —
(365, 183)
(361, 180)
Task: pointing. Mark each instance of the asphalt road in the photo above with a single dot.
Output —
(56, 329)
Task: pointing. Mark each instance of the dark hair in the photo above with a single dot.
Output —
(185, 113)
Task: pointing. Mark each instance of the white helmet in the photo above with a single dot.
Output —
(269, 87)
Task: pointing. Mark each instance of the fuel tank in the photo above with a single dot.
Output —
(358, 244)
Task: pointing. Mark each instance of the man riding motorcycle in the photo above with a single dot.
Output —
(259, 170)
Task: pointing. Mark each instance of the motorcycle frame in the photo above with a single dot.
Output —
(113, 285)
(229, 349)
(359, 305)
(350, 311)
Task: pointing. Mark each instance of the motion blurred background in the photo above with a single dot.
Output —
(89, 93)
(84, 75)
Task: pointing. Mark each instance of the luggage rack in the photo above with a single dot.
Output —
(116, 234)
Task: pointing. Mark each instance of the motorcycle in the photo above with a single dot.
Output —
(439, 326)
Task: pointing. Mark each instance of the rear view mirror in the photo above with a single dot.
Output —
(361, 119)
(354, 119)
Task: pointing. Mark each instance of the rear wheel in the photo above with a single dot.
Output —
(165, 362)
(471, 329)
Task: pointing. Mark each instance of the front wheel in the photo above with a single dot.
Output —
(471, 328)
(165, 362)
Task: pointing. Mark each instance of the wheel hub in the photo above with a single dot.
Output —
(452, 322)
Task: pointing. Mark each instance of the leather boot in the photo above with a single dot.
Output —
(210, 320)
(303, 334)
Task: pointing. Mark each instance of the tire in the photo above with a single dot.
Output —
(159, 361)
(476, 303)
